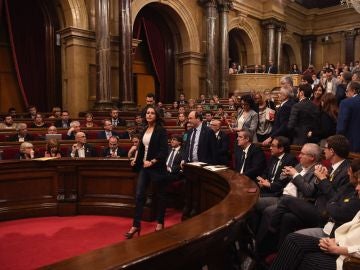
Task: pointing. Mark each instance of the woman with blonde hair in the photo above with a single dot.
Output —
(26, 151)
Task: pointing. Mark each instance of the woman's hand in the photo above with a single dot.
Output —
(147, 164)
(132, 162)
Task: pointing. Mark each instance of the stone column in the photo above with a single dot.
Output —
(125, 51)
(270, 26)
(279, 30)
(103, 65)
(350, 45)
(211, 66)
(308, 45)
(224, 6)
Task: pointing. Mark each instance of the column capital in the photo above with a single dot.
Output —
(350, 34)
(270, 23)
(225, 5)
(308, 38)
(206, 3)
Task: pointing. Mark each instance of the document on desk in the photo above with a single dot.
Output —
(198, 163)
(215, 168)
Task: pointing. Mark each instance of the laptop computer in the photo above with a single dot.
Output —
(53, 136)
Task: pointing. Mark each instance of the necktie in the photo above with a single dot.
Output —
(192, 145)
(171, 159)
(242, 162)
(331, 173)
(273, 171)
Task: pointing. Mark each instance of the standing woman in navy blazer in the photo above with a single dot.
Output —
(151, 162)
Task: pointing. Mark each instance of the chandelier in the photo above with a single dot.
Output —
(352, 3)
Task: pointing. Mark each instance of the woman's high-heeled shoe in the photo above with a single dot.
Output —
(132, 231)
(159, 227)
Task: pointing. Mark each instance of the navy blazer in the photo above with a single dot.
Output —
(255, 161)
(102, 134)
(278, 184)
(349, 121)
(15, 138)
(158, 149)
(119, 152)
(206, 148)
(222, 148)
(326, 189)
(281, 119)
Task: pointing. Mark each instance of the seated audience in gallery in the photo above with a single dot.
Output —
(81, 149)
(181, 120)
(175, 105)
(12, 112)
(294, 213)
(113, 150)
(75, 127)
(181, 109)
(191, 104)
(202, 99)
(22, 134)
(135, 139)
(64, 121)
(108, 131)
(53, 149)
(55, 113)
(208, 118)
(26, 151)
(187, 128)
(317, 253)
(39, 122)
(220, 113)
(116, 121)
(294, 69)
(231, 105)
(182, 100)
(233, 69)
(8, 123)
(32, 111)
(89, 121)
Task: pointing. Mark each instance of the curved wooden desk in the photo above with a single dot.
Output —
(99, 186)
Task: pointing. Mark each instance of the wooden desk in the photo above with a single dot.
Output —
(202, 240)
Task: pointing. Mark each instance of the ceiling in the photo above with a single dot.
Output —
(318, 3)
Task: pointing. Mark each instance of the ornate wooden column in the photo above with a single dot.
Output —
(350, 45)
(279, 30)
(125, 51)
(103, 66)
(270, 26)
(308, 45)
(224, 6)
(211, 66)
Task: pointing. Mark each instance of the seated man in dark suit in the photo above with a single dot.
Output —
(82, 149)
(64, 121)
(222, 143)
(22, 135)
(108, 131)
(116, 121)
(270, 183)
(114, 151)
(249, 159)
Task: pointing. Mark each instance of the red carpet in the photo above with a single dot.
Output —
(34, 242)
